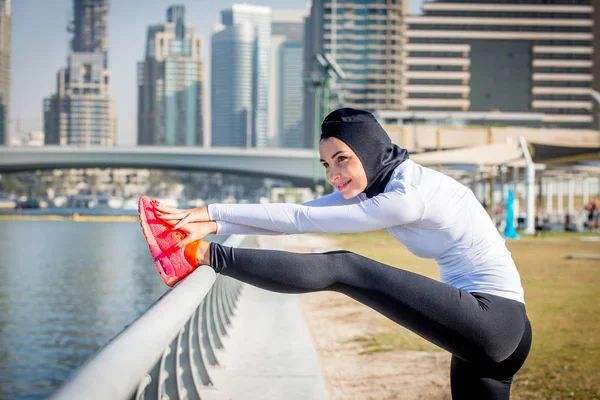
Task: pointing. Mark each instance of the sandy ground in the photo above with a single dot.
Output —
(334, 320)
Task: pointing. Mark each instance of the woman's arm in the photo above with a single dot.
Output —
(229, 228)
(178, 218)
(332, 199)
(401, 206)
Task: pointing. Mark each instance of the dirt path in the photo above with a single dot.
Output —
(335, 322)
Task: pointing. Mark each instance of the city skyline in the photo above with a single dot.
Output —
(34, 62)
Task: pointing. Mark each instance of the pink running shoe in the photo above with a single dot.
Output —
(169, 258)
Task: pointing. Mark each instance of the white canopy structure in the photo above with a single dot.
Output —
(487, 155)
(468, 164)
(515, 155)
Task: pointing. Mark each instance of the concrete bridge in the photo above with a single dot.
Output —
(295, 165)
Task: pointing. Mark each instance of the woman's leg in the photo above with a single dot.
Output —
(478, 328)
(470, 381)
(467, 382)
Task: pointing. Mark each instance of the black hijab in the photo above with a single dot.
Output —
(371, 143)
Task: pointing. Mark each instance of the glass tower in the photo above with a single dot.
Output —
(5, 19)
(258, 18)
(171, 85)
(232, 85)
(286, 85)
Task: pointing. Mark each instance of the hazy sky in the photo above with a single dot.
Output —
(40, 45)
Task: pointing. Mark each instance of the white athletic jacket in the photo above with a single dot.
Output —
(433, 215)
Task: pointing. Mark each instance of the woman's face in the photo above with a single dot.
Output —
(343, 168)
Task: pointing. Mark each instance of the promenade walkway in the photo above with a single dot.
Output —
(268, 353)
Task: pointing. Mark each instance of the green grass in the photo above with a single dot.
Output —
(563, 303)
(391, 341)
(560, 235)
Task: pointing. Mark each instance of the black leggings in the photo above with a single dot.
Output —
(489, 336)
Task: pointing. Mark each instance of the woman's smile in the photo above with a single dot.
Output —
(342, 186)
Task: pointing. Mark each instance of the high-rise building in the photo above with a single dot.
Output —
(5, 16)
(286, 84)
(528, 61)
(82, 111)
(90, 27)
(258, 21)
(232, 85)
(171, 96)
(365, 38)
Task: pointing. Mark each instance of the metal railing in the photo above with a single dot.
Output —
(168, 351)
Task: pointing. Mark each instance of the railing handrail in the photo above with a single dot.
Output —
(116, 370)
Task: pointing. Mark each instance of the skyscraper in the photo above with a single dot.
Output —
(5, 16)
(171, 85)
(286, 79)
(232, 85)
(90, 27)
(366, 39)
(253, 64)
(82, 111)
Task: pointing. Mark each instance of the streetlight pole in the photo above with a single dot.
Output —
(316, 136)
(330, 70)
(326, 104)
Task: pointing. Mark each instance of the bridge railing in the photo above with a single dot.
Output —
(168, 351)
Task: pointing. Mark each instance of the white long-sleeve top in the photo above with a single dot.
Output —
(431, 214)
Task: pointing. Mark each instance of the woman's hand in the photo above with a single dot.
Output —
(195, 231)
(182, 217)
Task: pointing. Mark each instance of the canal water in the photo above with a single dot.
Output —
(66, 288)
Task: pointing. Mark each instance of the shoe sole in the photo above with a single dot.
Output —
(163, 265)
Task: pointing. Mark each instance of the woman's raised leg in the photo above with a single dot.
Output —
(475, 327)
(483, 332)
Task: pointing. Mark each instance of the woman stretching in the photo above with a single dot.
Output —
(476, 312)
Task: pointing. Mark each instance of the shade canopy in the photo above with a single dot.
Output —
(509, 154)
(490, 155)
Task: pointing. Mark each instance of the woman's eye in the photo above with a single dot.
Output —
(342, 158)
(326, 165)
